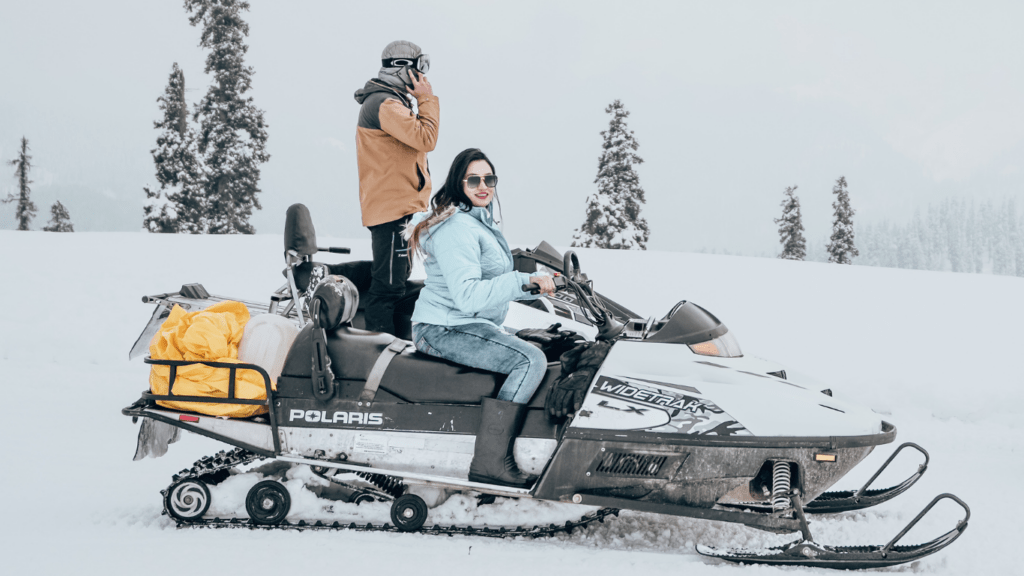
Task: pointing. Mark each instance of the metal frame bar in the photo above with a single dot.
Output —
(424, 478)
(230, 399)
(752, 519)
(137, 412)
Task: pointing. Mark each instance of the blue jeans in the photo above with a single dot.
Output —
(486, 347)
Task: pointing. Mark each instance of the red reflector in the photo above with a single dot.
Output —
(185, 418)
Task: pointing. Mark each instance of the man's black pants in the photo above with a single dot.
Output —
(391, 267)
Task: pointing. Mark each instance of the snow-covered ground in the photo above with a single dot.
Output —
(937, 353)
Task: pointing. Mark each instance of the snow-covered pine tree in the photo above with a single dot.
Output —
(1015, 239)
(976, 246)
(232, 133)
(954, 226)
(1002, 249)
(613, 212)
(26, 209)
(60, 220)
(791, 228)
(177, 205)
(841, 249)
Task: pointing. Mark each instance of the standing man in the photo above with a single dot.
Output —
(394, 179)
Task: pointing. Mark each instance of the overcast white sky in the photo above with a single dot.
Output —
(730, 101)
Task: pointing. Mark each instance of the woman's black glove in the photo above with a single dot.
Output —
(547, 337)
(551, 340)
(579, 366)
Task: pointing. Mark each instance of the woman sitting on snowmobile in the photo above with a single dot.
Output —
(460, 311)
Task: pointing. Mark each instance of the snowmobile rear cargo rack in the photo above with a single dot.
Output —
(233, 369)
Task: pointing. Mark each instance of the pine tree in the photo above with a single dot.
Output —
(1015, 239)
(791, 228)
(613, 213)
(60, 220)
(976, 250)
(26, 209)
(178, 204)
(841, 249)
(232, 132)
(1002, 249)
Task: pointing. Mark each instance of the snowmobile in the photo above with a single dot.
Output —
(677, 421)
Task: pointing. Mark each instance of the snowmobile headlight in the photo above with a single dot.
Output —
(725, 346)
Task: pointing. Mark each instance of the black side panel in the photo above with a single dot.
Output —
(577, 468)
(436, 418)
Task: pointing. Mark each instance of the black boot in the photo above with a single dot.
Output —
(493, 462)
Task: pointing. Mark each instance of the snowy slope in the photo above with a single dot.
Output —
(937, 353)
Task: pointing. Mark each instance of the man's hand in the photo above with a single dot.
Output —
(420, 85)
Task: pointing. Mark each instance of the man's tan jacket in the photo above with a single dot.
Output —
(391, 150)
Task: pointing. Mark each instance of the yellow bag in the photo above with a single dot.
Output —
(213, 335)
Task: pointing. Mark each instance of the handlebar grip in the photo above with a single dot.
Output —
(333, 250)
(534, 288)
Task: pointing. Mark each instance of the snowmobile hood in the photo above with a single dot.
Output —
(374, 86)
(660, 387)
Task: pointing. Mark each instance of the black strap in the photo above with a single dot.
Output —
(323, 376)
(396, 347)
(390, 62)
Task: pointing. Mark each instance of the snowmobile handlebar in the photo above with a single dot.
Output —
(335, 250)
(590, 303)
(534, 288)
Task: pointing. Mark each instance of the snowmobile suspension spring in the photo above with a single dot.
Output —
(781, 477)
(388, 484)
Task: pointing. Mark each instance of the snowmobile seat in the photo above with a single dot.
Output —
(420, 378)
(410, 377)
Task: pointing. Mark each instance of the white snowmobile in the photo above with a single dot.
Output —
(677, 421)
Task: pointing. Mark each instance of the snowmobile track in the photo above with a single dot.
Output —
(215, 468)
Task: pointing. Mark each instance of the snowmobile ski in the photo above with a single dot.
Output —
(847, 500)
(807, 552)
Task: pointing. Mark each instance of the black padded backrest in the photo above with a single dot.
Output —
(299, 234)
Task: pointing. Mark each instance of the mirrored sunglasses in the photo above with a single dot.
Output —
(474, 181)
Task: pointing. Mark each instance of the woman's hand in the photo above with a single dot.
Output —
(547, 285)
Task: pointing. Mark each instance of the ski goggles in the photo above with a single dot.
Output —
(421, 63)
(473, 182)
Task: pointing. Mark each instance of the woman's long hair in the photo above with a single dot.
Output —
(451, 193)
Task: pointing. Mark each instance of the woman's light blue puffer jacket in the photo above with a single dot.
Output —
(469, 271)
